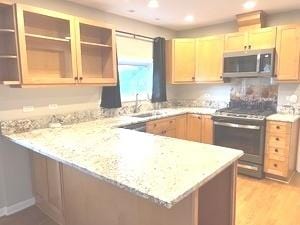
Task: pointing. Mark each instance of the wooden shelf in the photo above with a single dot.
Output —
(67, 39)
(6, 82)
(95, 44)
(8, 56)
(7, 30)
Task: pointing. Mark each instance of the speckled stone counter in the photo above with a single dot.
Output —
(163, 170)
(284, 117)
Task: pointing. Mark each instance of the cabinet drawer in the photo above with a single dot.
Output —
(159, 126)
(278, 140)
(278, 152)
(276, 167)
(278, 127)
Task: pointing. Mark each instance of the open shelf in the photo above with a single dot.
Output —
(67, 39)
(97, 36)
(95, 44)
(8, 57)
(7, 30)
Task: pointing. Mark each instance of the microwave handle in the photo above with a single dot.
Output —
(258, 63)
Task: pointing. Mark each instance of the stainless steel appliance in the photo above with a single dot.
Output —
(252, 63)
(243, 128)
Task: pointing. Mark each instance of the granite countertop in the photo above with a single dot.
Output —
(161, 169)
(283, 117)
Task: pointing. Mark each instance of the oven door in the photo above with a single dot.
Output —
(243, 136)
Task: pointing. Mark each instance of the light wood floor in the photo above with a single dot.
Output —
(259, 202)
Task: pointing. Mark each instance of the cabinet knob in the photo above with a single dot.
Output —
(276, 150)
(275, 75)
(245, 47)
(275, 165)
(277, 127)
(193, 78)
(249, 46)
(277, 139)
(80, 78)
(154, 125)
(221, 77)
(76, 78)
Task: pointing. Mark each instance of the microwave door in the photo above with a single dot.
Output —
(241, 66)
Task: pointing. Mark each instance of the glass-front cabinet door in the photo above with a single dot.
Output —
(96, 53)
(47, 46)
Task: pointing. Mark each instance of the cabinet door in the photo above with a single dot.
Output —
(181, 127)
(96, 53)
(184, 59)
(170, 133)
(194, 127)
(262, 38)
(54, 189)
(210, 58)
(47, 46)
(40, 178)
(235, 42)
(288, 53)
(207, 129)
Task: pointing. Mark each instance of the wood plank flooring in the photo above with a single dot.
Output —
(259, 202)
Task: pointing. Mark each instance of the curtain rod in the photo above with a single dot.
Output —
(134, 35)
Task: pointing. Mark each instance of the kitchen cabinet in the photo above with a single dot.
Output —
(207, 130)
(59, 49)
(164, 127)
(281, 149)
(96, 52)
(9, 54)
(194, 127)
(209, 60)
(181, 60)
(288, 53)
(47, 188)
(181, 127)
(263, 38)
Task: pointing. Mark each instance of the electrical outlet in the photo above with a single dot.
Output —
(52, 106)
(27, 109)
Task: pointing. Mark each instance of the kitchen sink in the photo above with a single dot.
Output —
(145, 115)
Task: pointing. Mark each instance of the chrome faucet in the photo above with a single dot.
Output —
(137, 106)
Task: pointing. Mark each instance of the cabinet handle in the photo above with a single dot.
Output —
(277, 127)
(276, 150)
(277, 139)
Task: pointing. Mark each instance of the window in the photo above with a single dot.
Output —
(135, 78)
(135, 68)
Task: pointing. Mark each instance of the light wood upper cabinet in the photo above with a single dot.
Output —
(194, 127)
(47, 46)
(9, 55)
(207, 129)
(96, 52)
(288, 53)
(210, 59)
(263, 38)
(181, 60)
(235, 42)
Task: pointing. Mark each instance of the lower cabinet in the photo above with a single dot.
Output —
(46, 179)
(192, 127)
(281, 149)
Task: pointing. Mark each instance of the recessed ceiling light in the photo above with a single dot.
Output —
(189, 18)
(249, 5)
(153, 4)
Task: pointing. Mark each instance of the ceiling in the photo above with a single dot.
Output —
(171, 13)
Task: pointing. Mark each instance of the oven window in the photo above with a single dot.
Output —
(238, 138)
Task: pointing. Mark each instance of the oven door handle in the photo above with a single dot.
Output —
(234, 125)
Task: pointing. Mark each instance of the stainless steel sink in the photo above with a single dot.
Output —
(145, 115)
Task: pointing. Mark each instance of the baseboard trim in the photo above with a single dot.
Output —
(9, 210)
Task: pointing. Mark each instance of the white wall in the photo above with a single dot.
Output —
(15, 178)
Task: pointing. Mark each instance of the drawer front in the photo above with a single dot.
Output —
(277, 152)
(278, 127)
(159, 126)
(278, 140)
(276, 167)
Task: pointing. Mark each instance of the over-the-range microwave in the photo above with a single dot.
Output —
(252, 63)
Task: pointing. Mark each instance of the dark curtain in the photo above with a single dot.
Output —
(111, 96)
(159, 71)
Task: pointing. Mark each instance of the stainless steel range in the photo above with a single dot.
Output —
(242, 126)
